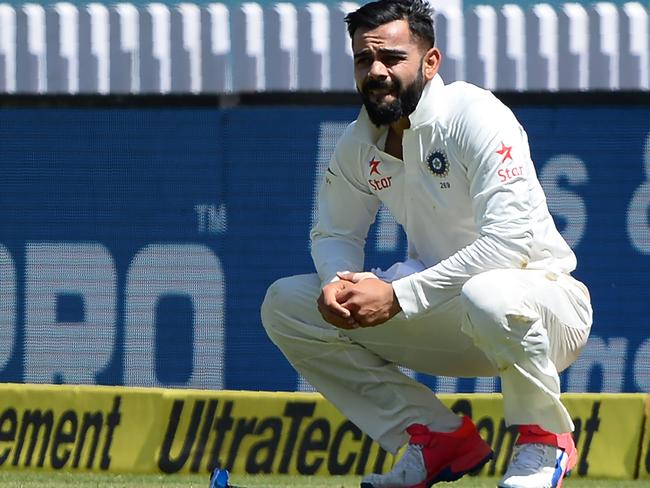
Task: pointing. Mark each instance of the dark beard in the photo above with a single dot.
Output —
(404, 104)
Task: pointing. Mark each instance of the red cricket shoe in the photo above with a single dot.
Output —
(432, 457)
(541, 459)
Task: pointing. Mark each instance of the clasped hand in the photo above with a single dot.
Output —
(357, 300)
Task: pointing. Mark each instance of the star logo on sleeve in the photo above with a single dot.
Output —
(505, 152)
(374, 166)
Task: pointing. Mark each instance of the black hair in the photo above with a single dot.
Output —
(418, 13)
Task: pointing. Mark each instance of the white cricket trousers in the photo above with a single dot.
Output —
(523, 325)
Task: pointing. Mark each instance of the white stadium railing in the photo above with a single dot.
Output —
(542, 57)
(313, 48)
(481, 47)
(282, 47)
(634, 42)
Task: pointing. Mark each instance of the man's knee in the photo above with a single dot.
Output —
(275, 299)
(485, 298)
(496, 312)
(293, 296)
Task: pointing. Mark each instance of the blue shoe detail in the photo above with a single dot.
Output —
(448, 475)
(559, 470)
(219, 478)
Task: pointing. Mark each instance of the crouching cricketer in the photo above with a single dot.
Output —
(486, 290)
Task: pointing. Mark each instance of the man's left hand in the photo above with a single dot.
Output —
(371, 301)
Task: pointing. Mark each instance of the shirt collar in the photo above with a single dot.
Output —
(425, 111)
(428, 106)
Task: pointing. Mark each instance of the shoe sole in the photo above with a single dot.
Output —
(558, 485)
(447, 474)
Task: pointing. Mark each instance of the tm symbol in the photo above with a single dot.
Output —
(211, 218)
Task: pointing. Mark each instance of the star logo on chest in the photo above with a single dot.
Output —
(505, 153)
(374, 166)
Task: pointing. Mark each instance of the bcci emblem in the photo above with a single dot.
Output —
(438, 164)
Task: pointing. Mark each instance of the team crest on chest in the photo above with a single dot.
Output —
(438, 163)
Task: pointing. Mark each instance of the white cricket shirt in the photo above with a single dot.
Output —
(466, 194)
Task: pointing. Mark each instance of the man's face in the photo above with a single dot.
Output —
(388, 69)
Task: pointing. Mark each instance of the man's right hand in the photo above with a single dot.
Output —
(331, 310)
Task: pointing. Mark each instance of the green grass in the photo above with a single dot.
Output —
(28, 479)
